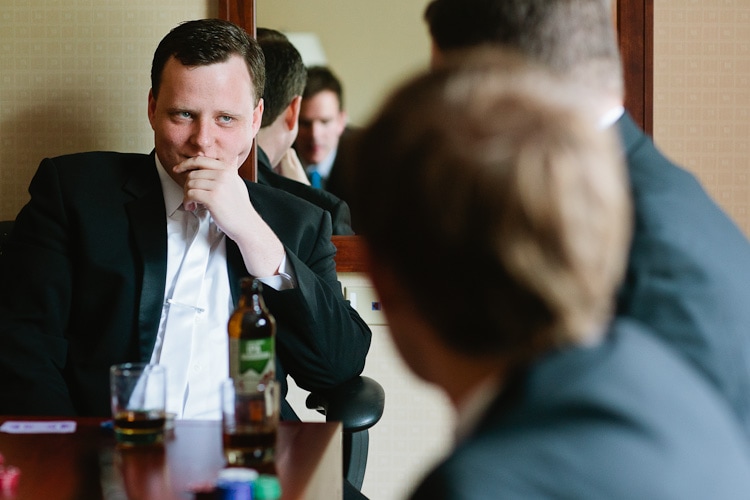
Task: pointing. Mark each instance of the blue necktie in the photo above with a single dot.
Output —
(315, 180)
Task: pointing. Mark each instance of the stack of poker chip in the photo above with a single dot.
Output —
(9, 477)
(236, 484)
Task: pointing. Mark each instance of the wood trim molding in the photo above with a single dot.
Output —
(350, 254)
(635, 28)
(242, 13)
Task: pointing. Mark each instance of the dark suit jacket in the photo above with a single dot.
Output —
(688, 274)
(336, 182)
(84, 275)
(339, 210)
(626, 419)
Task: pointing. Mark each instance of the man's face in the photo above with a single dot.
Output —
(321, 123)
(204, 111)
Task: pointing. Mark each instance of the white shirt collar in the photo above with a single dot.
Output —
(610, 117)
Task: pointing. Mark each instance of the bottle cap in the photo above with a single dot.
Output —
(266, 487)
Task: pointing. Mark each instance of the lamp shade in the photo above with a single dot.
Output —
(309, 47)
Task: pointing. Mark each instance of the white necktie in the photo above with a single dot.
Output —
(183, 308)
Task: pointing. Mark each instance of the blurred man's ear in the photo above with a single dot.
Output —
(436, 56)
(342, 121)
(291, 117)
(387, 284)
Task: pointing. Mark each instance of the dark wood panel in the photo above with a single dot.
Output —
(242, 13)
(350, 254)
(635, 28)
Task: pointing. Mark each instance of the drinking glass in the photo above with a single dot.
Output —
(138, 393)
(250, 420)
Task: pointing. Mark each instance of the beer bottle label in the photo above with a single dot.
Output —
(252, 360)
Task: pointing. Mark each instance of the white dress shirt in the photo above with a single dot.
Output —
(208, 348)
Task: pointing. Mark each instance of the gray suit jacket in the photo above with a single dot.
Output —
(688, 275)
(627, 419)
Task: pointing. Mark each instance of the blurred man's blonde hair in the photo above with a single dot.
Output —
(486, 188)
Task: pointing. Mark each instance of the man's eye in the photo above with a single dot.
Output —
(226, 119)
(183, 114)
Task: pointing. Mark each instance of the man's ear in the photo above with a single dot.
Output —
(291, 116)
(383, 278)
(437, 58)
(151, 107)
(257, 116)
(343, 120)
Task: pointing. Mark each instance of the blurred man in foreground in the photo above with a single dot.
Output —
(499, 282)
(689, 264)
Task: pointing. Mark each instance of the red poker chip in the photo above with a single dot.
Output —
(9, 478)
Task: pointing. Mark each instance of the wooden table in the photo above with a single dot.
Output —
(87, 464)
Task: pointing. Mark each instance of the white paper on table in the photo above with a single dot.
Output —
(37, 427)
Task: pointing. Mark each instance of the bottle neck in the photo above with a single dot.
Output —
(256, 303)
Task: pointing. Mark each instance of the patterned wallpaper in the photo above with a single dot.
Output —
(74, 76)
(702, 95)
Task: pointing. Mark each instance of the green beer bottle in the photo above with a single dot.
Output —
(252, 338)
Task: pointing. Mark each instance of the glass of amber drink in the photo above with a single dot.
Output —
(250, 420)
(138, 392)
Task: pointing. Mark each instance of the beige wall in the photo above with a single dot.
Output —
(74, 76)
(702, 94)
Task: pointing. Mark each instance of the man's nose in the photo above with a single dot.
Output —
(203, 135)
(317, 129)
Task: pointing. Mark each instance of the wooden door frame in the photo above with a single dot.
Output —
(635, 29)
(242, 13)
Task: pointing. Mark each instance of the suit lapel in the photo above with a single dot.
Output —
(147, 218)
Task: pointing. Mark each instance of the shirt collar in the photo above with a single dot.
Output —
(324, 167)
(610, 117)
(173, 192)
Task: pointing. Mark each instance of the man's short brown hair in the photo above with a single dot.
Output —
(498, 203)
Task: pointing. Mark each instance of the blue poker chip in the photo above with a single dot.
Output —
(235, 483)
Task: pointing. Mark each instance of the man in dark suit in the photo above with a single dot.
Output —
(689, 265)
(278, 165)
(322, 129)
(95, 255)
(553, 400)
